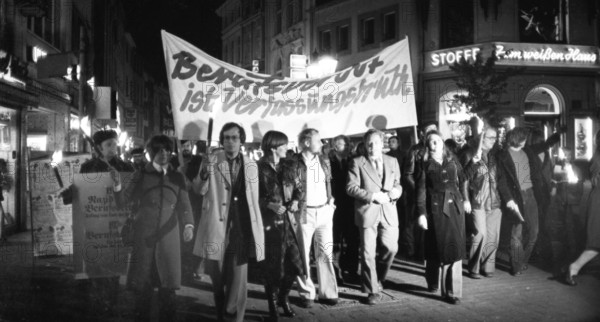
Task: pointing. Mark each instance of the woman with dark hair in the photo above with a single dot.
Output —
(159, 193)
(283, 262)
(442, 202)
(593, 220)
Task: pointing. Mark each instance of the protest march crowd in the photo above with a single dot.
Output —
(347, 211)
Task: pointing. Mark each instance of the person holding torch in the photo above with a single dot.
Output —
(483, 233)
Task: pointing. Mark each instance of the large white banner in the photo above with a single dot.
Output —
(376, 93)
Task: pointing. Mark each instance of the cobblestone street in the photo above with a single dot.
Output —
(47, 292)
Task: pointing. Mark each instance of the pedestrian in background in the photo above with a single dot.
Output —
(412, 237)
(593, 220)
(345, 233)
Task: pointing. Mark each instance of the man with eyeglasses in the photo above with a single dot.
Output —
(230, 232)
(483, 223)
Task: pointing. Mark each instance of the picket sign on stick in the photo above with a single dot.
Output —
(375, 93)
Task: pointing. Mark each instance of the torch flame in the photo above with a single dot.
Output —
(194, 149)
(561, 154)
(122, 138)
(85, 126)
(57, 157)
(571, 176)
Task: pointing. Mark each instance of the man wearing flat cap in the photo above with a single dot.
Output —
(102, 292)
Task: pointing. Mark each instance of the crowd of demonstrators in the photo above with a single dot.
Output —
(348, 209)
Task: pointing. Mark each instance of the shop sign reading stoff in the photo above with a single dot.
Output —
(518, 54)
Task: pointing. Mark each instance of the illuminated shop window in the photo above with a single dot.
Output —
(454, 117)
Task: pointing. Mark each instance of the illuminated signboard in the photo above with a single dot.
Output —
(517, 54)
(450, 57)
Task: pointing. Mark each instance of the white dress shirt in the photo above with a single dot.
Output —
(316, 184)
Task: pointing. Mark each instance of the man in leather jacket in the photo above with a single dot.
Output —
(483, 223)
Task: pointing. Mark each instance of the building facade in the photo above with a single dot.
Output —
(54, 55)
(41, 45)
(556, 42)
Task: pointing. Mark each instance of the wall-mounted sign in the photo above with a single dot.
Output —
(584, 138)
(517, 54)
(297, 61)
(450, 57)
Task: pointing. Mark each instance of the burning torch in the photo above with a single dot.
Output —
(56, 160)
(86, 129)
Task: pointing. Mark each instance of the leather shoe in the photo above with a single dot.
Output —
(330, 302)
(374, 298)
(517, 273)
(432, 289)
(306, 303)
(569, 278)
(474, 276)
(486, 274)
(451, 299)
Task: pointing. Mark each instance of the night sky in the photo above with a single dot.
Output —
(195, 21)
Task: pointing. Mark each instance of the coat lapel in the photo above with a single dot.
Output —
(371, 172)
(223, 169)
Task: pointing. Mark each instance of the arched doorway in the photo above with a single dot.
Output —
(543, 109)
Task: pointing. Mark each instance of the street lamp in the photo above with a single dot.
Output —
(321, 66)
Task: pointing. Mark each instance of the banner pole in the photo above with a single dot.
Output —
(416, 133)
(209, 136)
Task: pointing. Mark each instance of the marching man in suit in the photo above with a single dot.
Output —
(374, 182)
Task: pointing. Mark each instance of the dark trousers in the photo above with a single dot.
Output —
(167, 300)
(562, 226)
(524, 235)
(449, 274)
(166, 304)
(230, 286)
(412, 237)
(346, 240)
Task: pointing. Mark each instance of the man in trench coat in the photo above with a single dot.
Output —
(231, 229)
